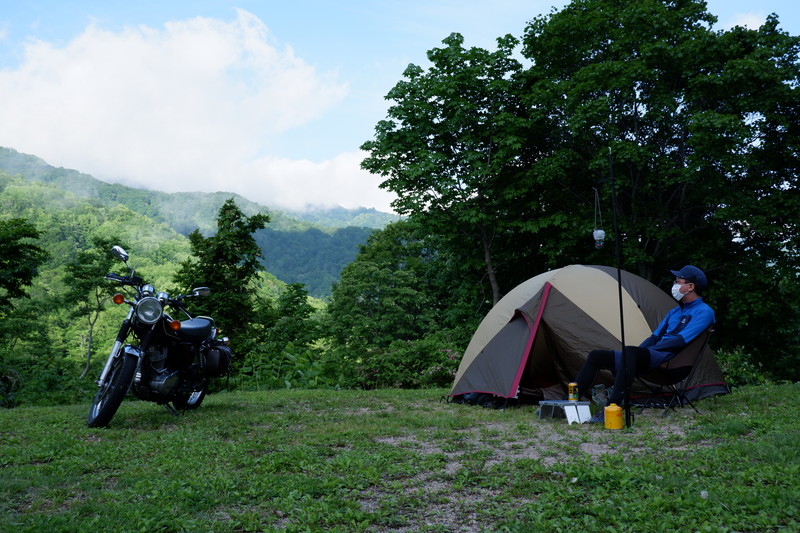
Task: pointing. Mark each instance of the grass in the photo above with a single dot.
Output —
(401, 461)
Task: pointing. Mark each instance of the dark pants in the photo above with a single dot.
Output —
(637, 362)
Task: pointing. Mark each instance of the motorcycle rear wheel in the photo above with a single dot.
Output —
(189, 401)
(110, 396)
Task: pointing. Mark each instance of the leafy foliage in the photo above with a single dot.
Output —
(311, 256)
(227, 263)
(280, 351)
(451, 145)
(394, 318)
(309, 246)
(87, 292)
(19, 259)
(703, 127)
(699, 127)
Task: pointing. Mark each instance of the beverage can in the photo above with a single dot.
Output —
(573, 392)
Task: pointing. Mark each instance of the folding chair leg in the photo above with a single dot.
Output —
(677, 400)
(674, 400)
(687, 400)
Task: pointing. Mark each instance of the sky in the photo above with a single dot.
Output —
(270, 99)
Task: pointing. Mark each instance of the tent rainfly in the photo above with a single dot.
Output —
(536, 338)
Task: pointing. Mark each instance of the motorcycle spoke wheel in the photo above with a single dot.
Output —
(110, 395)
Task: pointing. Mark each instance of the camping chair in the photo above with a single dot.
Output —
(676, 374)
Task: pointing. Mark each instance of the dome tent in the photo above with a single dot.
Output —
(534, 341)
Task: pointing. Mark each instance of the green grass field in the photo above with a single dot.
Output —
(393, 460)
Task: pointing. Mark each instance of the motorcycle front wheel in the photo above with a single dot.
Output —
(110, 395)
(188, 401)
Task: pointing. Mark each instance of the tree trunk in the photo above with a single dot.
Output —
(89, 345)
(487, 257)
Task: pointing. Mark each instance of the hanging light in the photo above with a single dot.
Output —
(599, 236)
(598, 233)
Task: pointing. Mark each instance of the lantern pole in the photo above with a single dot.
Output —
(618, 254)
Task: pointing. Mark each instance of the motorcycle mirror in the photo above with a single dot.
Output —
(201, 291)
(120, 253)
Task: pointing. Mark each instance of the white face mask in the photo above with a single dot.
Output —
(676, 292)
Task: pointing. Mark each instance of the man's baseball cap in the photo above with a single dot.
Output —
(692, 274)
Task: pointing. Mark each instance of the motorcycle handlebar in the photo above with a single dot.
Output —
(125, 280)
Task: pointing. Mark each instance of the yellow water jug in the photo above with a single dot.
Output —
(613, 416)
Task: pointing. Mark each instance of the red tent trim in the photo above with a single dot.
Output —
(534, 328)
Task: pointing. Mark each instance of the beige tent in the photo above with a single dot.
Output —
(534, 341)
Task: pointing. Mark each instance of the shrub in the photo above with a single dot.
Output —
(10, 381)
(738, 367)
(428, 362)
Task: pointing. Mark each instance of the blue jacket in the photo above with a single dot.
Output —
(681, 325)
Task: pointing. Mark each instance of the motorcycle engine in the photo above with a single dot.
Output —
(164, 382)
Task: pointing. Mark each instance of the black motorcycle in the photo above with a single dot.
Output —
(168, 361)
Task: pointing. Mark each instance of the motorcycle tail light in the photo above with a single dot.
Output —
(118, 298)
(175, 325)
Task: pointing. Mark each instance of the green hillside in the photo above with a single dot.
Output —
(304, 247)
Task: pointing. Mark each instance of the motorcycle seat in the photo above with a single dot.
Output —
(195, 329)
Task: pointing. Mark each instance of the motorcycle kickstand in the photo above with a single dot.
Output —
(172, 410)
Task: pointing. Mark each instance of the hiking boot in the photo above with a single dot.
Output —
(599, 418)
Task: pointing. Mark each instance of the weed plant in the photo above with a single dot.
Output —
(401, 461)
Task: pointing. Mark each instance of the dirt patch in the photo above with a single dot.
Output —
(550, 442)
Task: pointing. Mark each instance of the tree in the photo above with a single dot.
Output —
(87, 291)
(279, 350)
(398, 312)
(704, 131)
(19, 260)
(452, 144)
(227, 263)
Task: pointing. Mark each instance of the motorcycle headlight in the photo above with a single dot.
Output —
(149, 310)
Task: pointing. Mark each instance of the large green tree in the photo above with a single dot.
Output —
(699, 125)
(226, 262)
(704, 131)
(20, 257)
(451, 147)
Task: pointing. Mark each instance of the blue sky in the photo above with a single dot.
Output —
(269, 99)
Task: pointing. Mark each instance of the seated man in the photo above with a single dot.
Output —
(681, 325)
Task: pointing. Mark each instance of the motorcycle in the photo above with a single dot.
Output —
(167, 361)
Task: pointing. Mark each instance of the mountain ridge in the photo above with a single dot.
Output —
(161, 204)
(310, 250)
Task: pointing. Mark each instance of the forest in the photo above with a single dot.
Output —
(308, 247)
(679, 140)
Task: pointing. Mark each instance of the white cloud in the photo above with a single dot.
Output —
(732, 15)
(195, 105)
(752, 21)
(340, 185)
